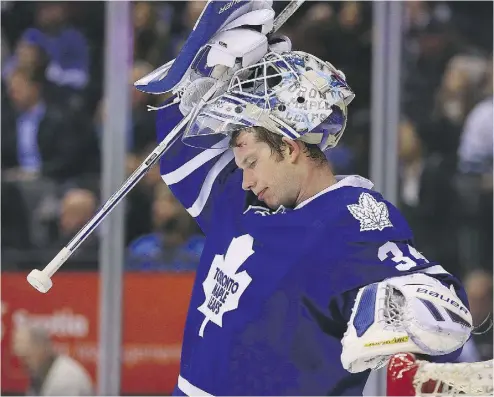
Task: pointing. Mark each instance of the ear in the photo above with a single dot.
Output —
(293, 149)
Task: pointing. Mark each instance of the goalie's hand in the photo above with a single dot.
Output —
(413, 313)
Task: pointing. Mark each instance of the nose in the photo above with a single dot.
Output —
(247, 180)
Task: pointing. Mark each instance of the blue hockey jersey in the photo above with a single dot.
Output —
(274, 289)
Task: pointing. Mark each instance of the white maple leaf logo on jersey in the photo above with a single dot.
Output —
(223, 286)
(371, 214)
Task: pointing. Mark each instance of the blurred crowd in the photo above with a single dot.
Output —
(51, 372)
(53, 111)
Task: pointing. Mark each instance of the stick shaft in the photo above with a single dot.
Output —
(137, 175)
(115, 198)
(285, 14)
(131, 181)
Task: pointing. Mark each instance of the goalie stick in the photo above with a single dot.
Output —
(285, 14)
(41, 279)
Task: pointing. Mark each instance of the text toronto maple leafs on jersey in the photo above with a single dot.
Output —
(223, 286)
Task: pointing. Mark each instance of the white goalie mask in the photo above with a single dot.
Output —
(293, 94)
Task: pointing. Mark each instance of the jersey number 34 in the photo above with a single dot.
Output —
(403, 262)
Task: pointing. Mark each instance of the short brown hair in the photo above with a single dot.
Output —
(276, 144)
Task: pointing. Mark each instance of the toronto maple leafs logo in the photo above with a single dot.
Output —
(223, 286)
(371, 214)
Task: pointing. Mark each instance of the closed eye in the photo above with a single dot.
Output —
(253, 164)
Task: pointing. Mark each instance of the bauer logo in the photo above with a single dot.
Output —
(437, 295)
(223, 286)
(228, 6)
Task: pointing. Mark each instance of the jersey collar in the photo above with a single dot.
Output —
(343, 180)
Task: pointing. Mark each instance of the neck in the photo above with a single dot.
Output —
(316, 180)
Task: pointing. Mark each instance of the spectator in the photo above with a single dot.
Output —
(27, 55)
(410, 155)
(67, 64)
(435, 241)
(39, 138)
(140, 199)
(66, 47)
(31, 57)
(475, 150)
(15, 218)
(141, 123)
(474, 181)
(430, 42)
(439, 136)
(152, 23)
(478, 285)
(50, 373)
(77, 207)
(454, 99)
(171, 246)
(187, 20)
(337, 33)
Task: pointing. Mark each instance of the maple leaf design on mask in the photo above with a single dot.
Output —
(371, 214)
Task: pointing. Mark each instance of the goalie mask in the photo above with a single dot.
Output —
(293, 94)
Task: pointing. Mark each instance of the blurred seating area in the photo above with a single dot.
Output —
(53, 110)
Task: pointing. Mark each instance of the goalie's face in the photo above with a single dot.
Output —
(272, 177)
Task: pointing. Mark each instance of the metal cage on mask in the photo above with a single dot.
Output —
(293, 94)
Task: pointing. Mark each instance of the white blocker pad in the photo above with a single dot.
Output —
(239, 43)
(217, 16)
